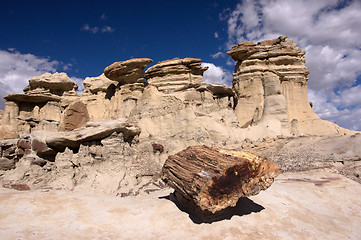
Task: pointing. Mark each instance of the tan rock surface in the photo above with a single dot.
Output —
(7, 132)
(304, 205)
(56, 83)
(275, 67)
(74, 116)
(93, 85)
(170, 75)
(129, 71)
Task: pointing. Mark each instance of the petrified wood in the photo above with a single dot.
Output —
(215, 178)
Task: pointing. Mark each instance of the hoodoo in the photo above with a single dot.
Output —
(270, 79)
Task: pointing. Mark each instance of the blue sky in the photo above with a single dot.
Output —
(81, 38)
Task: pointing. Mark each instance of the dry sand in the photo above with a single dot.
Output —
(317, 204)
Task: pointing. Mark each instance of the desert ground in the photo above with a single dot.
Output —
(316, 204)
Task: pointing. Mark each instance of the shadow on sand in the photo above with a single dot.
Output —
(244, 206)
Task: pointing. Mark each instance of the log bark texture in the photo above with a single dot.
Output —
(215, 178)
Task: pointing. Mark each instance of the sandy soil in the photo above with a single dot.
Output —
(317, 204)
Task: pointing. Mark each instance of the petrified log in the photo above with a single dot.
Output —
(215, 178)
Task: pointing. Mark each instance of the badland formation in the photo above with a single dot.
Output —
(115, 136)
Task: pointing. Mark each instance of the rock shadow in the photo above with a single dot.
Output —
(243, 207)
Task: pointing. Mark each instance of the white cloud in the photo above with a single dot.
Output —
(216, 35)
(95, 29)
(217, 75)
(16, 69)
(329, 32)
(218, 54)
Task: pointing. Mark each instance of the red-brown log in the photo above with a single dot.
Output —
(215, 178)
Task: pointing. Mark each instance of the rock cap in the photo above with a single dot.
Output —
(129, 71)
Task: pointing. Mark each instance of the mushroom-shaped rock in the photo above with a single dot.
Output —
(171, 75)
(215, 178)
(56, 83)
(129, 71)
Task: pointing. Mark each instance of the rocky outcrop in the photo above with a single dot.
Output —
(92, 132)
(119, 132)
(170, 75)
(75, 116)
(94, 85)
(48, 83)
(270, 80)
(129, 71)
(41, 105)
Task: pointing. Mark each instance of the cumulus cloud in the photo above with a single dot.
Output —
(16, 69)
(329, 32)
(216, 35)
(95, 29)
(217, 75)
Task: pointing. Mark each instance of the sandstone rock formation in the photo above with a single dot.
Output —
(129, 71)
(74, 116)
(129, 126)
(170, 75)
(41, 106)
(270, 80)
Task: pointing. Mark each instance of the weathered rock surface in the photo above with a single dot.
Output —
(74, 116)
(40, 107)
(170, 75)
(7, 132)
(174, 109)
(215, 178)
(93, 132)
(270, 80)
(7, 164)
(93, 85)
(56, 83)
(129, 71)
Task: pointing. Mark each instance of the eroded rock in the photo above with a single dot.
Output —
(75, 116)
(271, 70)
(170, 75)
(129, 71)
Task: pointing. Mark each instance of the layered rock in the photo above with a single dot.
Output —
(41, 104)
(270, 80)
(115, 93)
(129, 71)
(170, 75)
(56, 83)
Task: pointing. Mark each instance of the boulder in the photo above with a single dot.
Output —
(129, 71)
(75, 116)
(170, 75)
